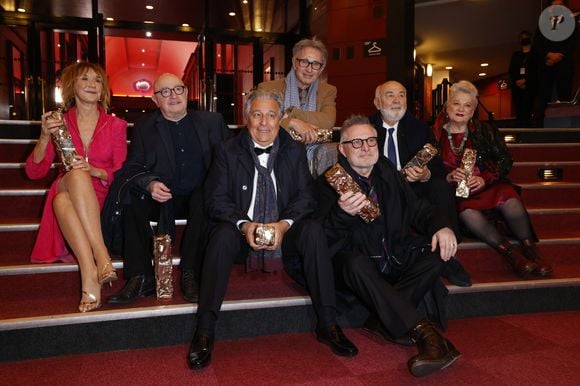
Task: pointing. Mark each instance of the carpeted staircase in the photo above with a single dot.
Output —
(38, 311)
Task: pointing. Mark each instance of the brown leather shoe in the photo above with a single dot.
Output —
(543, 268)
(518, 262)
(435, 352)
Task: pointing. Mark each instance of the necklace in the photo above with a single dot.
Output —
(459, 149)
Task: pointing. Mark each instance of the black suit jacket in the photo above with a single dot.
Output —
(401, 209)
(412, 134)
(229, 185)
(152, 148)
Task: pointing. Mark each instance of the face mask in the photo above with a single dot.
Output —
(525, 41)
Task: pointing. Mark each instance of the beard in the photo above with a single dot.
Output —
(393, 115)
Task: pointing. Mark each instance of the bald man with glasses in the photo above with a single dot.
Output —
(170, 153)
(309, 103)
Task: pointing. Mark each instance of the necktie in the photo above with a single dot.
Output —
(391, 150)
(260, 151)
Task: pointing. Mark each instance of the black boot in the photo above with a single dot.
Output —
(136, 287)
(543, 267)
(518, 262)
(199, 355)
(435, 352)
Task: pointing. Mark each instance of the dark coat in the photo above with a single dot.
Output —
(151, 157)
(412, 134)
(229, 185)
(402, 210)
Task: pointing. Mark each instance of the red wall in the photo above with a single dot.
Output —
(350, 24)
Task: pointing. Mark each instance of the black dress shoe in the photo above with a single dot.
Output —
(189, 286)
(334, 338)
(136, 287)
(200, 351)
(374, 326)
(456, 274)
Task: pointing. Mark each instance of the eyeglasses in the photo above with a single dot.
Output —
(166, 92)
(304, 63)
(357, 142)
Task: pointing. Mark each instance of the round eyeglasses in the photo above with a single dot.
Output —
(358, 142)
(304, 63)
(166, 92)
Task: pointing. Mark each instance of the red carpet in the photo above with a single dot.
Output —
(538, 349)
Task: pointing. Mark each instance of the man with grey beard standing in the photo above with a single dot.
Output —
(400, 137)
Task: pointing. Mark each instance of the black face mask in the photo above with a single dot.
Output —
(525, 41)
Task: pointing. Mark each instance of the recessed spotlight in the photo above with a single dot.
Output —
(109, 18)
(482, 74)
(232, 14)
(484, 64)
(150, 7)
(143, 50)
(258, 29)
(429, 69)
(245, 2)
(21, 10)
(58, 45)
(449, 68)
(142, 64)
(185, 25)
(149, 22)
(148, 34)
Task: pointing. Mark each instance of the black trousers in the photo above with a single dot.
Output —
(304, 240)
(442, 195)
(395, 301)
(138, 236)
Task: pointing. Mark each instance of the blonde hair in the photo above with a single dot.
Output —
(466, 87)
(70, 75)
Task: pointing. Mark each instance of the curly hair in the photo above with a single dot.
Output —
(71, 73)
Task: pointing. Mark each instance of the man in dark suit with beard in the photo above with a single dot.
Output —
(170, 152)
(261, 177)
(400, 137)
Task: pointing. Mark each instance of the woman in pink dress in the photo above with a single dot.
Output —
(455, 130)
(75, 198)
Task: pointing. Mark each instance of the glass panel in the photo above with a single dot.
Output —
(274, 61)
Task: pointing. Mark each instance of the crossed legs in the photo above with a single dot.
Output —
(78, 214)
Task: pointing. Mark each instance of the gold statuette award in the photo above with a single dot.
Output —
(342, 182)
(63, 142)
(422, 157)
(467, 164)
(265, 235)
(163, 266)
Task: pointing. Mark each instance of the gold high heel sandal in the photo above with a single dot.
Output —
(108, 274)
(93, 304)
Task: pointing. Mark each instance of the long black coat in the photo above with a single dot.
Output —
(230, 181)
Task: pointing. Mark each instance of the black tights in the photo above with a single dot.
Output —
(513, 212)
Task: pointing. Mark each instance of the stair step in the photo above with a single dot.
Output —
(545, 152)
(13, 176)
(551, 194)
(523, 172)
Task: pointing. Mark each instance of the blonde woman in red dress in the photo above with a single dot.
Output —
(75, 198)
(490, 191)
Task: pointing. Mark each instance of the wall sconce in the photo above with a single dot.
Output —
(429, 69)
(414, 54)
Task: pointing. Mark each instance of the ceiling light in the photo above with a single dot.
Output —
(148, 34)
(258, 30)
(142, 64)
(21, 10)
(414, 54)
(149, 22)
(109, 18)
(429, 69)
(142, 49)
(149, 7)
(449, 67)
(245, 2)
(482, 74)
(185, 25)
(232, 14)
(484, 64)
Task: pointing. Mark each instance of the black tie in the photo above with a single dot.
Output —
(260, 151)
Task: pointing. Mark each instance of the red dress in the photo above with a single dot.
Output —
(494, 194)
(107, 150)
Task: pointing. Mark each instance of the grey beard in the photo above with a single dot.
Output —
(392, 116)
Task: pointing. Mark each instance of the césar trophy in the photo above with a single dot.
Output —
(63, 142)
